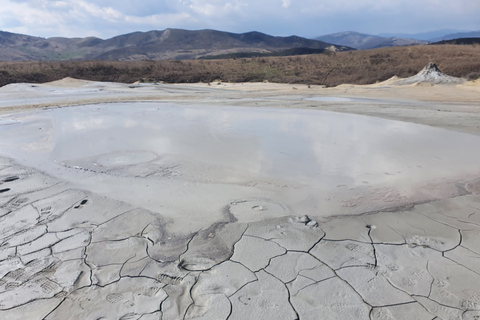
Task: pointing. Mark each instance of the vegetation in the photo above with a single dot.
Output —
(283, 53)
(463, 41)
(355, 67)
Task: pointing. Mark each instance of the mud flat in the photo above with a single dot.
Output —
(239, 201)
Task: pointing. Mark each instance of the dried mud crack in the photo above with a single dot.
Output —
(269, 248)
(59, 259)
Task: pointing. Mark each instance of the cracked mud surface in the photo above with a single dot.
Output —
(68, 252)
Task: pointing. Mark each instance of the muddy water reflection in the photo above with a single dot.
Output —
(225, 153)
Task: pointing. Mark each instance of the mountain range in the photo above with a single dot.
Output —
(421, 35)
(435, 36)
(363, 41)
(178, 44)
(366, 41)
(156, 45)
(458, 35)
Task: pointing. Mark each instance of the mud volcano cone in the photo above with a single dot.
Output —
(431, 74)
(430, 68)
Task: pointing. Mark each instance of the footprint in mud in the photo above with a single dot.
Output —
(129, 304)
(467, 304)
(17, 203)
(12, 286)
(82, 204)
(472, 295)
(48, 286)
(166, 279)
(440, 283)
(114, 298)
(409, 282)
(16, 274)
(46, 210)
(418, 273)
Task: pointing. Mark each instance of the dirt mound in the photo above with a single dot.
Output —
(68, 82)
(432, 75)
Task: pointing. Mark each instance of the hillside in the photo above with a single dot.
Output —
(175, 44)
(457, 35)
(460, 41)
(355, 67)
(426, 36)
(365, 41)
(282, 53)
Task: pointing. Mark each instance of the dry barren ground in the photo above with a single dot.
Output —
(73, 253)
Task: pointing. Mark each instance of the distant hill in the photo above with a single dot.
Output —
(461, 41)
(426, 36)
(365, 41)
(452, 36)
(437, 35)
(153, 45)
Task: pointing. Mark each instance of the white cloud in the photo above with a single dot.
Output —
(159, 19)
(105, 13)
(215, 7)
(107, 18)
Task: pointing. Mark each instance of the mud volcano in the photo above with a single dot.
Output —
(204, 210)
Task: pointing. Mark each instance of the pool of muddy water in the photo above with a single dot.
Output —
(195, 160)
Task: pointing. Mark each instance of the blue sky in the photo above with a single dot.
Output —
(308, 18)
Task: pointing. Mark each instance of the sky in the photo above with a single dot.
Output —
(306, 18)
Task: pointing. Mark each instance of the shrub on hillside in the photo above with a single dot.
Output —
(473, 76)
(354, 67)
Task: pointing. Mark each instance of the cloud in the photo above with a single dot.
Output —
(158, 19)
(215, 8)
(104, 13)
(106, 18)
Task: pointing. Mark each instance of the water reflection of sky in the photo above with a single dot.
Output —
(302, 146)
